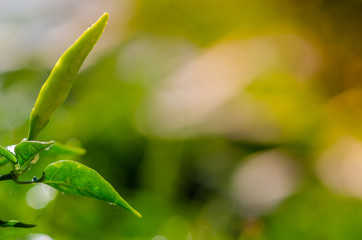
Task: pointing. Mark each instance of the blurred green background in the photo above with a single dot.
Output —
(215, 119)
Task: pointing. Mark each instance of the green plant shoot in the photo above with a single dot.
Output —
(67, 176)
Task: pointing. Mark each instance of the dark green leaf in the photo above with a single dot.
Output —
(7, 154)
(26, 151)
(74, 178)
(14, 223)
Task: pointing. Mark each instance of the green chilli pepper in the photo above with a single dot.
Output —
(56, 88)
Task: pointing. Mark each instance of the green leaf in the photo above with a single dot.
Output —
(3, 161)
(7, 154)
(57, 87)
(74, 178)
(64, 150)
(26, 151)
(14, 223)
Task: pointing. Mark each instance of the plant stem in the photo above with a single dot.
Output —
(8, 176)
(14, 177)
(35, 180)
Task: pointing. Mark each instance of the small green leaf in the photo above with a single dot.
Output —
(14, 223)
(64, 150)
(7, 154)
(74, 178)
(26, 151)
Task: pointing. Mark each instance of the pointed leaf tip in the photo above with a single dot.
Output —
(137, 213)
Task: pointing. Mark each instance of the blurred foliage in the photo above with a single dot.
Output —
(215, 119)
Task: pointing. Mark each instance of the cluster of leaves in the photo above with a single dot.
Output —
(67, 176)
